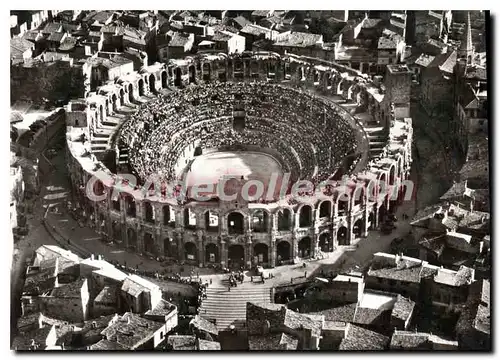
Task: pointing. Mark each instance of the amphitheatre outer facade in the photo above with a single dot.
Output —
(240, 232)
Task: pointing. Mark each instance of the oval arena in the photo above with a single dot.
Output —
(203, 119)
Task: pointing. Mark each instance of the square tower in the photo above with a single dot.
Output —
(398, 85)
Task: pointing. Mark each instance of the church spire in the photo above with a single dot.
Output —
(466, 49)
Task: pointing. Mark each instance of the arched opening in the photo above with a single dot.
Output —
(325, 209)
(211, 221)
(342, 205)
(206, 71)
(101, 113)
(316, 77)
(211, 253)
(141, 87)
(260, 219)
(254, 68)
(190, 251)
(284, 220)
(192, 74)
(382, 212)
(342, 236)
(283, 252)
(236, 256)
(358, 228)
(326, 242)
(382, 187)
(177, 78)
(116, 204)
(260, 253)
(371, 220)
(166, 215)
(305, 216)
(149, 243)
(392, 175)
(198, 151)
(359, 196)
(304, 247)
(108, 108)
(168, 247)
(235, 223)
(152, 85)
(131, 93)
(132, 238)
(130, 203)
(113, 102)
(98, 188)
(329, 82)
(164, 79)
(149, 212)
(117, 234)
(340, 87)
(189, 219)
(122, 97)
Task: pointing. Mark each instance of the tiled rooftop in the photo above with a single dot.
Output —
(359, 338)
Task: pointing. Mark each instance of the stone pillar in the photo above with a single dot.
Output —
(159, 243)
(223, 253)
(295, 247)
(180, 244)
(272, 252)
(201, 252)
(140, 239)
(315, 243)
(248, 253)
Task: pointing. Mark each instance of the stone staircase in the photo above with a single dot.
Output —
(229, 307)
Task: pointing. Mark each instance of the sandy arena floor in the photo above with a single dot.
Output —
(213, 168)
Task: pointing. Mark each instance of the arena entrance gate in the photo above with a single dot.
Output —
(342, 236)
(325, 242)
(235, 257)
(190, 251)
(283, 252)
(211, 253)
(260, 253)
(305, 247)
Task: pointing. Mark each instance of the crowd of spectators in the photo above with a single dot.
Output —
(311, 134)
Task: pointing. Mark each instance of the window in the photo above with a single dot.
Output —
(161, 335)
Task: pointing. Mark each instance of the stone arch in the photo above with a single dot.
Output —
(164, 78)
(140, 85)
(358, 229)
(261, 253)
(149, 243)
(152, 83)
(236, 256)
(382, 184)
(130, 205)
(342, 236)
(260, 221)
(130, 93)
(190, 251)
(132, 238)
(211, 253)
(189, 218)
(211, 221)
(325, 209)
(192, 74)
(392, 175)
(167, 215)
(149, 214)
(326, 242)
(359, 195)
(283, 251)
(343, 204)
(316, 77)
(114, 102)
(304, 247)
(236, 223)
(305, 216)
(168, 247)
(340, 86)
(101, 113)
(177, 77)
(284, 219)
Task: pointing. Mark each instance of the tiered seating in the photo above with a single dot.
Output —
(310, 132)
(229, 307)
